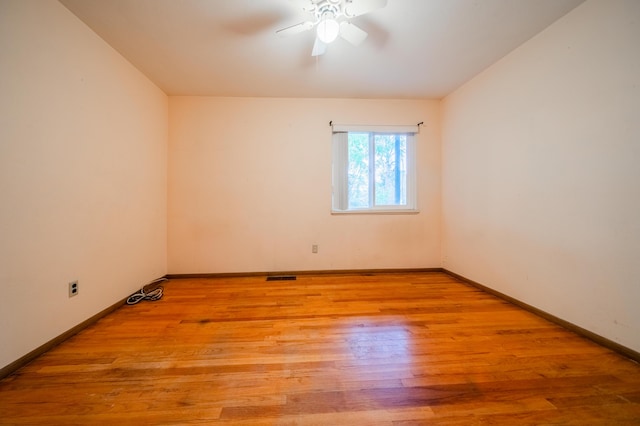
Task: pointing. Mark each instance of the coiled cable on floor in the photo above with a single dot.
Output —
(151, 295)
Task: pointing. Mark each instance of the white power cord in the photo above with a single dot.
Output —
(153, 295)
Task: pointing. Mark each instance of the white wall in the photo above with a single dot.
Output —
(250, 187)
(541, 180)
(83, 139)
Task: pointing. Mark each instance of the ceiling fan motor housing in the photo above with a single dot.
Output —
(328, 9)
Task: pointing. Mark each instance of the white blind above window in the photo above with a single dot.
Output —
(375, 128)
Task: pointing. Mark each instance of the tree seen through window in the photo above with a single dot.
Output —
(377, 170)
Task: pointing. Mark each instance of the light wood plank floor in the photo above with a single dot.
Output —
(387, 349)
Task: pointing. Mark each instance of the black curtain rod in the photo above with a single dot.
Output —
(419, 124)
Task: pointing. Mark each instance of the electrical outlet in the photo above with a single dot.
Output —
(73, 288)
(314, 248)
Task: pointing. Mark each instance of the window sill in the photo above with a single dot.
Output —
(377, 211)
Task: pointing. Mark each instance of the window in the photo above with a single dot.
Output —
(373, 171)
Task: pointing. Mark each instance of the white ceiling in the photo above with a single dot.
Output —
(415, 48)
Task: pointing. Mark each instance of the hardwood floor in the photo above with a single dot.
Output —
(385, 349)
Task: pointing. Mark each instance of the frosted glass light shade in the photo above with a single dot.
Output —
(328, 30)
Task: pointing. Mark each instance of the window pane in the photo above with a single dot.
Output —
(390, 169)
(358, 170)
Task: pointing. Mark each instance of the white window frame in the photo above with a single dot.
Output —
(340, 202)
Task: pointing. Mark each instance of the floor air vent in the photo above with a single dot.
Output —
(281, 278)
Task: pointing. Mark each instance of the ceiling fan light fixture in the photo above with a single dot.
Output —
(328, 30)
(332, 19)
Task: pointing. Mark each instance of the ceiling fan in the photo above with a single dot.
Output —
(332, 19)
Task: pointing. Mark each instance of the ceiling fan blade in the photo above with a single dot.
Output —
(360, 7)
(295, 29)
(319, 47)
(352, 33)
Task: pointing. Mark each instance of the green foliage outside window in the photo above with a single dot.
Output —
(380, 158)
